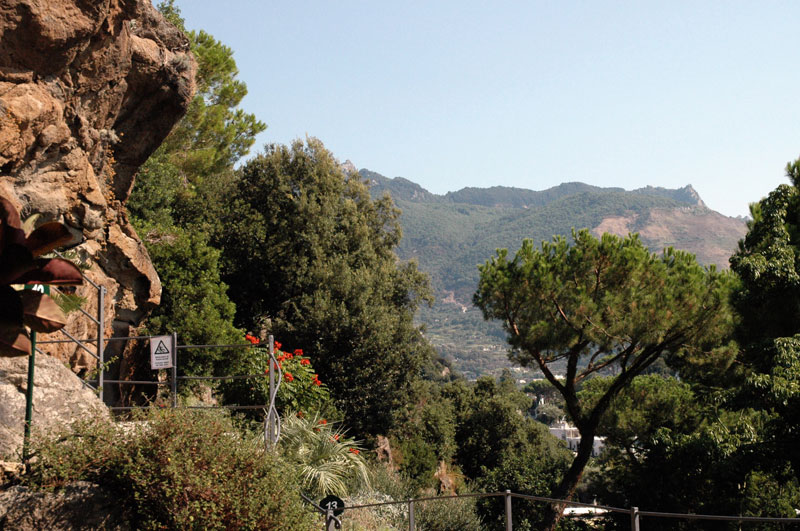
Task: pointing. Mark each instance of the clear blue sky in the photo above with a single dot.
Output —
(526, 93)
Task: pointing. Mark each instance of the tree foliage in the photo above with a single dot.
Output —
(768, 263)
(177, 203)
(309, 254)
(606, 304)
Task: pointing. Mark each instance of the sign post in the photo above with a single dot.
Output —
(161, 352)
(333, 506)
(43, 288)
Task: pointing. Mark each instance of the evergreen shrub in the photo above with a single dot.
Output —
(177, 469)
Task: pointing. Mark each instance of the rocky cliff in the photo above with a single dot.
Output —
(88, 89)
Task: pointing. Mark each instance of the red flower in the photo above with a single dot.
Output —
(288, 377)
(252, 339)
(322, 421)
(298, 352)
(305, 362)
(354, 451)
(288, 355)
(336, 437)
(277, 345)
(315, 380)
(300, 414)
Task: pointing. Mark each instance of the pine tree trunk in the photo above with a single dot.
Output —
(566, 488)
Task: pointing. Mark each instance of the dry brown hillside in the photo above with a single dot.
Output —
(711, 236)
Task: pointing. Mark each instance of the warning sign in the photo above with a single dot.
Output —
(161, 352)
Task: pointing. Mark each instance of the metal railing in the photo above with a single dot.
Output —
(272, 423)
(333, 522)
(99, 322)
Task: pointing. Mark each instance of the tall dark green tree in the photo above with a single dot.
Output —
(309, 255)
(602, 304)
(768, 263)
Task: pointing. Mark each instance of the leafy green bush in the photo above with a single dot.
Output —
(299, 390)
(417, 463)
(178, 469)
(447, 515)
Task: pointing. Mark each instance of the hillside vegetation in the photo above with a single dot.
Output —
(449, 235)
(690, 373)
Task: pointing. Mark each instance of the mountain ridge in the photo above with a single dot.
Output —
(513, 197)
(450, 234)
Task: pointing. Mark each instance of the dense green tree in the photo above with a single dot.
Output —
(671, 449)
(603, 304)
(768, 263)
(195, 304)
(650, 404)
(499, 447)
(309, 255)
(181, 181)
(494, 426)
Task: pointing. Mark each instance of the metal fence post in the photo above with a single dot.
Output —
(101, 331)
(634, 519)
(270, 412)
(509, 523)
(174, 369)
(411, 525)
(330, 521)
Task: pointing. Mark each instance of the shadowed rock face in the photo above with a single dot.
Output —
(78, 506)
(88, 90)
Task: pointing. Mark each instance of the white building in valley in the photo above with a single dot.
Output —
(570, 435)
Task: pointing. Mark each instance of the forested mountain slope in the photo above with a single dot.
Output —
(451, 234)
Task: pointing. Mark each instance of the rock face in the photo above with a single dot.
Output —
(710, 236)
(80, 505)
(58, 396)
(88, 90)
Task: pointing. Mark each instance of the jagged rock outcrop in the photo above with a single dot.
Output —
(80, 505)
(88, 89)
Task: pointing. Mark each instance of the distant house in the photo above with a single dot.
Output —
(570, 435)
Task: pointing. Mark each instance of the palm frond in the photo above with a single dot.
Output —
(328, 458)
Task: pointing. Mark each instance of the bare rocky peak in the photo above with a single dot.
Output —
(348, 167)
